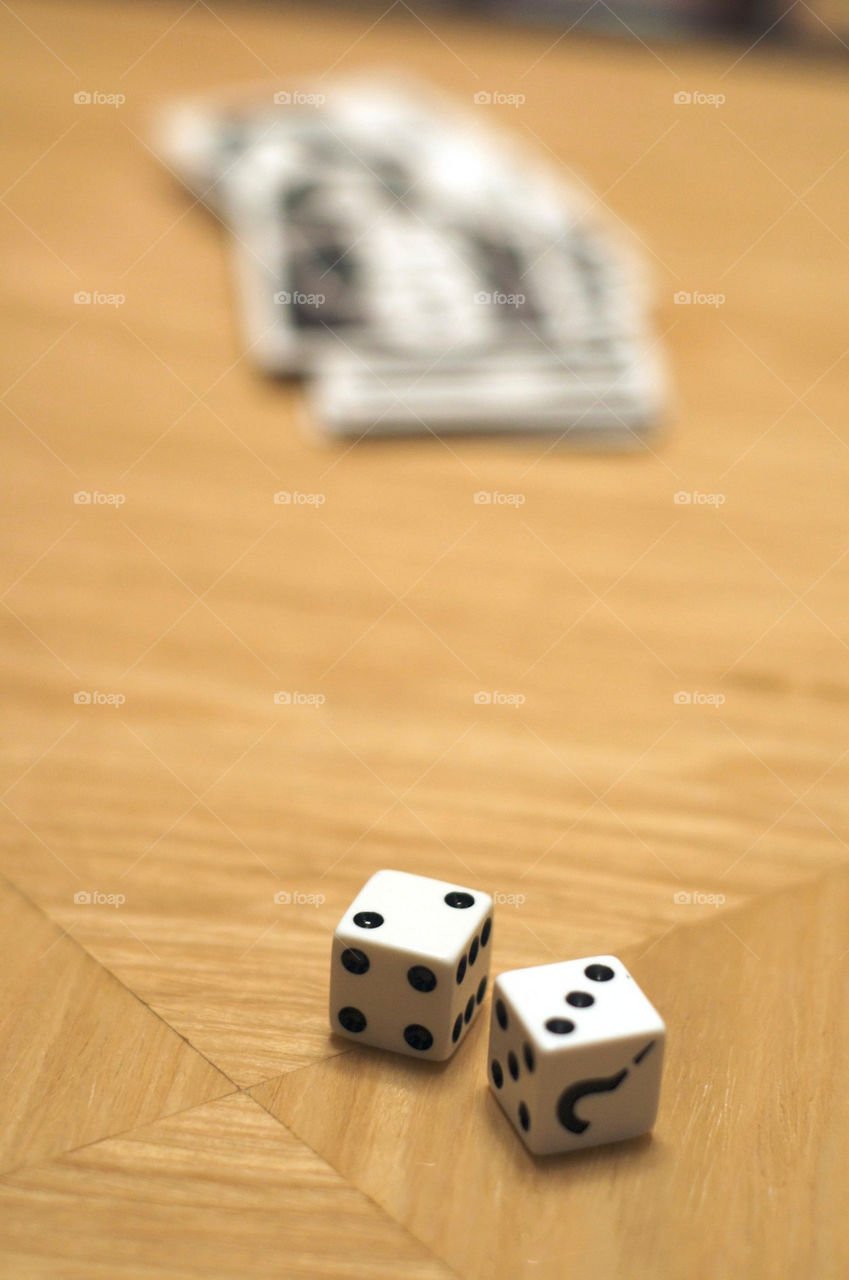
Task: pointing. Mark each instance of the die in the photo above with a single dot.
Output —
(575, 1054)
(410, 964)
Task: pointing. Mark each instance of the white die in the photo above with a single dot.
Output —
(409, 964)
(575, 1054)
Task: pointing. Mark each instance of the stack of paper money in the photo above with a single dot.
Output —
(425, 274)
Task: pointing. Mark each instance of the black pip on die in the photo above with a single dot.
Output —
(410, 963)
(575, 1054)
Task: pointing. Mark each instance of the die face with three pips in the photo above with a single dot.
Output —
(575, 1050)
(410, 964)
(575, 1054)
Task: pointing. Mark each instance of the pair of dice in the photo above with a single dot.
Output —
(575, 1049)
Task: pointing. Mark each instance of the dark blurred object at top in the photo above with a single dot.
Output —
(813, 24)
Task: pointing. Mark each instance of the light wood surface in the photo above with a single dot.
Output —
(174, 1102)
(220, 1189)
(744, 1174)
(68, 1028)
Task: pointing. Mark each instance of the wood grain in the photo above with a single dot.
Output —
(590, 809)
(744, 1173)
(82, 1057)
(221, 1189)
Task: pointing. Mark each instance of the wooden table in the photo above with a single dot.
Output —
(173, 1102)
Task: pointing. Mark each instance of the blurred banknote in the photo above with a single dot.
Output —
(425, 274)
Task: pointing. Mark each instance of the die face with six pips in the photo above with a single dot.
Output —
(410, 964)
(575, 1054)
